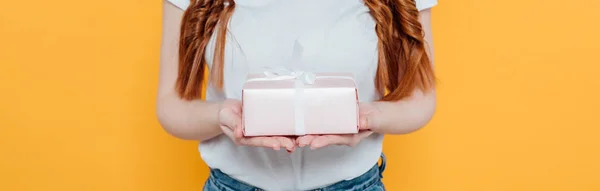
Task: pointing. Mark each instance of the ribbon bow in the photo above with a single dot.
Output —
(284, 74)
(281, 73)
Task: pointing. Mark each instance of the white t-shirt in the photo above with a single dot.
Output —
(337, 36)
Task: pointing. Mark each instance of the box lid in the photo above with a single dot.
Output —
(323, 80)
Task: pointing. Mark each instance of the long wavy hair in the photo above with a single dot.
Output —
(403, 64)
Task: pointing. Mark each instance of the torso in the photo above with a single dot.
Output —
(337, 36)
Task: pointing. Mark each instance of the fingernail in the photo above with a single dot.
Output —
(303, 143)
(289, 151)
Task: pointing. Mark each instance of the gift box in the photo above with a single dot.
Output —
(299, 103)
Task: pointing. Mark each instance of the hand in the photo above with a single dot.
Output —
(230, 121)
(367, 123)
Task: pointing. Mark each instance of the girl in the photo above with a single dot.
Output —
(386, 44)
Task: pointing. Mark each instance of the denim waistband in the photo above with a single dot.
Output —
(223, 181)
(361, 182)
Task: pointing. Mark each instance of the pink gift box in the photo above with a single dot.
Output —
(289, 107)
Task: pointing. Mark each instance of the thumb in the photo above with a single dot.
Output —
(367, 122)
(369, 116)
(363, 123)
(229, 118)
(239, 132)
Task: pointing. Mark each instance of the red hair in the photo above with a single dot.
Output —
(403, 64)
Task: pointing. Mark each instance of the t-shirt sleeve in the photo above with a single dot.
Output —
(182, 4)
(422, 4)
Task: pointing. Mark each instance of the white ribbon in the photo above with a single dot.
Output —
(300, 79)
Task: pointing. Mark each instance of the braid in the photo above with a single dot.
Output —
(403, 62)
(198, 24)
(219, 56)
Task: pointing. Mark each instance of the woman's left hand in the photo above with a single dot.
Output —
(367, 123)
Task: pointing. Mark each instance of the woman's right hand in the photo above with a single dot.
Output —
(230, 122)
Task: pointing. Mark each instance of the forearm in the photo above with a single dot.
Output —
(189, 120)
(410, 114)
(404, 116)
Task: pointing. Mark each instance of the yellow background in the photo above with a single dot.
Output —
(518, 100)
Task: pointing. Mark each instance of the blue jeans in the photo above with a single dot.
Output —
(369, 181)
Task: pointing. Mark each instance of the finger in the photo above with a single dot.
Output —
(359, 137)
(286, 142)
(363, 123)
(367, 122)
(368, 116)
(326, 140)
(227, 131)
(261, 142)
(349, 140)
(229, 119)
(270, 142)
(305, 140)
(237, 107)
(239, 132)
